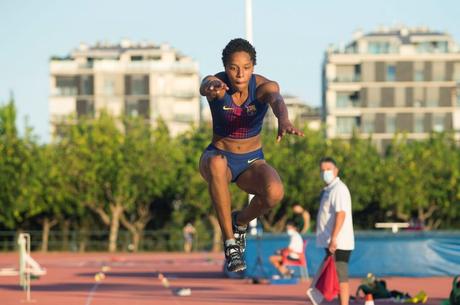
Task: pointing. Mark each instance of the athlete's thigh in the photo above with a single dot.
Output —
(257, 178)
(205, 168)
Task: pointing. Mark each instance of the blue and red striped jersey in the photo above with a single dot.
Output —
(238, 122)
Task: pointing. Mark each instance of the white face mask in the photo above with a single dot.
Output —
(290, 232)
(327, 176)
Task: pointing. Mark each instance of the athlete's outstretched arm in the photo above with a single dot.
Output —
(270, 93)
(213, 88)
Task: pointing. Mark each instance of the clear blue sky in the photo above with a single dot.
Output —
(290, 36)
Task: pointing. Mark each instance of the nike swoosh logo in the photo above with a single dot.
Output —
(227, 108)
(252, 160)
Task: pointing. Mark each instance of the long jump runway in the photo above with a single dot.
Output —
(133, 279)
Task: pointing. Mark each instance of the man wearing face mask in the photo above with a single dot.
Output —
(292, 252)
(334, 223)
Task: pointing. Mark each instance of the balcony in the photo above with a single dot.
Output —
(348, 103)
(432, 47)
(64, 91)
(347, 79)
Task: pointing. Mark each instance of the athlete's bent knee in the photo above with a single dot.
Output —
(275, 194)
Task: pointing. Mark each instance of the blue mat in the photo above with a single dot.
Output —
(412, 254)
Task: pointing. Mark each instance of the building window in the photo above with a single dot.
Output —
(432, 47)
(438, 122)
(378, 47)
(368, 123)
(456, 75)
(357, 76)
(153, 57)
(137, 108)
(442, 46)
(86, 85)
(418, 97)
(66, 86)
(351, 48)
(423, 47)
(390, 123)
(458, 94)
(89, 62)
(373, 97)
(345, 125)
(85, 108)
(136, 58)
(347, 99)
(342, 100)
(419, 71)
(391, 73)
(432, 97)
(345, 74)
(438, 70)
(109, 87)
(419, 76)
(418, 123)
(137, 84)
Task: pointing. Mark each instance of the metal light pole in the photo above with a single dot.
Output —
(253, 223)
(249, 21)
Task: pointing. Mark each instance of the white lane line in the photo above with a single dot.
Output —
(91, 293)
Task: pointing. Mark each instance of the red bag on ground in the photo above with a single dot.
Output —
(328, 281)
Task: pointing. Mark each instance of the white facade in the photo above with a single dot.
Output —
(127, 79)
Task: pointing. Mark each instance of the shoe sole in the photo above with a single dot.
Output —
(242, 268)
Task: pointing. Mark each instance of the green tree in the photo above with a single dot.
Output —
(50, 197)
(150, 167)
(94, 160)
(422, 180)
(15, 170)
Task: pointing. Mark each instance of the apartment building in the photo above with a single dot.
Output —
(134, 79)
(392, 80)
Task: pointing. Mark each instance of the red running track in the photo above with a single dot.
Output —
(133, 280)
